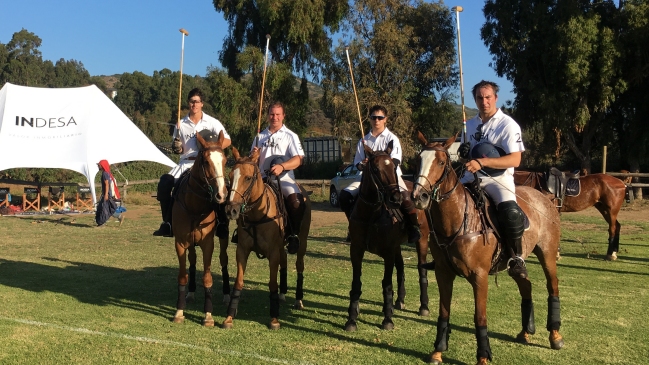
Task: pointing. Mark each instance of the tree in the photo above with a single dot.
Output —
(24, 60)
(563, 61)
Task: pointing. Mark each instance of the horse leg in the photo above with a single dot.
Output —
(283, 276)
(208, 251)
(401, 282)
(422, 253)
(356, 254)
(613, 230)
(242, 260)
(181, 252)
(225, 275)
(299, 286)
(445, 278)
(273, 263)
(527, 310)
(554, 307)
(480, 284)
(191, 286)
(388, 293)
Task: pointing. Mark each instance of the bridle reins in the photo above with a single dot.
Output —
(381, 188)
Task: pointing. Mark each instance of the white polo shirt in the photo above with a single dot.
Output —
(283, 142)
(380, 143)
(188, 132)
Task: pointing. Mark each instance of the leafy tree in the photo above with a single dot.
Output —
(24, 60)
(563, 61)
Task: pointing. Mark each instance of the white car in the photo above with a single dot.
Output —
(342, 180)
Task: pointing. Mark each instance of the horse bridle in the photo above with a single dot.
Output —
(433, 189)
(245, 207)
(209, 189)
(381, 188)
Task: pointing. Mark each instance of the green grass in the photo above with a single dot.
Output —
(77, 295)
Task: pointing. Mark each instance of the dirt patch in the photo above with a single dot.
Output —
(638, 211)
(323, 214)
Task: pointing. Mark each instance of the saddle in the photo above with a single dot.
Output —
(562, 184)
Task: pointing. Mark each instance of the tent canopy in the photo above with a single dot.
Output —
(71, 128)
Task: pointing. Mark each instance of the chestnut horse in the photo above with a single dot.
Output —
(194, 220)
(260, 227)
(603, 191)
(463, 246)
(373, 229)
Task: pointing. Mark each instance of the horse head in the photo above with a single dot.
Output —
(245, 175)
(382, 173)
(211, 160)
(434, 166)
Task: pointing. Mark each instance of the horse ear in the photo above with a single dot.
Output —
(389, 148)
(201, 141)
(421, 138)
(254, 155)
(451, 140)
(235, 153)
(221, 138)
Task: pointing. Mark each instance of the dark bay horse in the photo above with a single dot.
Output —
(260, 227)
(603, 191)
(372, 228)
(463, 246)
(194, 220)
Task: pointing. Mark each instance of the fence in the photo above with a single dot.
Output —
(631, 186)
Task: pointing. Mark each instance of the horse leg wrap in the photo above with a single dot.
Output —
(234, 303)
(355, 293)
(613, 246)
(180, 304)
(274, 305)
(484, 350)
(423, 287)
(299, 290)
(207, 307)
(388, 295)
(353, 310)
(192, 278)
(401, 286)
(527, 315)
(554, 313)
(443, 333)
(283, 285)
(226, 280)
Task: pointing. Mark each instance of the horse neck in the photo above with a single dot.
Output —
(198, 186)
(448, 214)
(260, 196)
(368, 190)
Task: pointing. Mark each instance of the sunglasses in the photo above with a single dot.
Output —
(377, 117)
(194, 101)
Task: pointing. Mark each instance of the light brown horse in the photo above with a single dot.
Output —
(194, 220)
(603, 191)
(372, 228)
(463, 246)
(260, 227)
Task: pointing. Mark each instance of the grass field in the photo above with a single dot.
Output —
(72, 294)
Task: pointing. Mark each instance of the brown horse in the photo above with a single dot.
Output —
(463, 246)
(603, 191)
(194, 220)
(260, 227)
(372, 228)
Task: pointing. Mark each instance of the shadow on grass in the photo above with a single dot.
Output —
(62, 221)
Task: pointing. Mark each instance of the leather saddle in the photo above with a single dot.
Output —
(562, 184)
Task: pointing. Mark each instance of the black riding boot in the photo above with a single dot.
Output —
(511, 220)
(165, 186)
(410, 214)
(295, 206)
(346, 200)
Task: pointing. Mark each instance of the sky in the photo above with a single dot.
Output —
(118, 36)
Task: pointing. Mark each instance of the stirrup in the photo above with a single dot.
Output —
(516, 267)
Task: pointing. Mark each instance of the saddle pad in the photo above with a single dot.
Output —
(573, 187)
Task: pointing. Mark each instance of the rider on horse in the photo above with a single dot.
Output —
(495, 148)
(185, 143)
(280, 152)
(377, 140)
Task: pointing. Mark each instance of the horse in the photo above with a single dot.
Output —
(464, 246)
(373, 228)
(260, 228)
(603, 191)
(194, 220)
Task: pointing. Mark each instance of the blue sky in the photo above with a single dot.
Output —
(113, 37)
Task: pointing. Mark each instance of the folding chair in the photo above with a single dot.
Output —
(55, 198)
(84, 198)
(31, 199)
(4, 197)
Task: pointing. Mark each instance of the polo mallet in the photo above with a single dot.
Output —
(458, 10)
(358, 107)
(180, 91)
(261, 98)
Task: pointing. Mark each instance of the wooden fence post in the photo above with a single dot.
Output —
(604, 161)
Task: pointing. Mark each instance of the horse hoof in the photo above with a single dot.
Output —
(189, 298)
(227, 324)
(282, 297)
(556, 340)
(274, 324)
(387, 325)
(435, 358)
(350, 326)
(298, 304)
(400, 305)
(180, 319)
(523, 338)
(424, 312)
(208, 322)
(611, 257)
(226, 299)
(482, 361)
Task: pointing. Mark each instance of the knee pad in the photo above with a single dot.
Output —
(294, 201)
(511, 216)
(165, 186)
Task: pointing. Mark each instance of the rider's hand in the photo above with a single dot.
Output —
(177, 146)
(361, 165)
(463, 150)
(277, 169)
